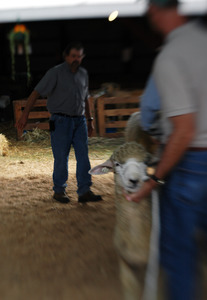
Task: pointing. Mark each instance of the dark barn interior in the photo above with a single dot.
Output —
(121, 52)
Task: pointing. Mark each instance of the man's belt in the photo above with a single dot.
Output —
(197, 149)
(65, 115)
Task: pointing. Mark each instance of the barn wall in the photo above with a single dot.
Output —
(105, 43)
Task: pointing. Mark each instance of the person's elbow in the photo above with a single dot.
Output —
(190, 134)
(185, 127)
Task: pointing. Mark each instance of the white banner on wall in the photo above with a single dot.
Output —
(30, 10)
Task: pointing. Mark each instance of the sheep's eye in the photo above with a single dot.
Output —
(117, 164)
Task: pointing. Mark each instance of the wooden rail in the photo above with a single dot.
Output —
(39, 116)
(113, 114)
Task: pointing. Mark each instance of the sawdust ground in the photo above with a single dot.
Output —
(52, 251)
(49, 250)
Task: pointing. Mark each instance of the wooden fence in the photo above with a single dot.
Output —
(113, 113)
(38, 117)
(110, 114)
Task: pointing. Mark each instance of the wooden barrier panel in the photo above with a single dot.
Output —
(39, 116)
(113, 113)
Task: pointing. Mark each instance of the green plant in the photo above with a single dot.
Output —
(19, 35)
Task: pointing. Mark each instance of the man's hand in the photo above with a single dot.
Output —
(21, 123)
(145, 191)
(90, 128)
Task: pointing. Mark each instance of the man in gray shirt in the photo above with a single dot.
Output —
(179, 72)
(66, 88)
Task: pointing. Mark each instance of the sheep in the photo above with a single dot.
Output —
(133, 132)
(133, 236)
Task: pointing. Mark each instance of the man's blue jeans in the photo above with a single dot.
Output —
(183, 208)
(70, 131)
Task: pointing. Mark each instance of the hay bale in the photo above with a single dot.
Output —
(4, 145)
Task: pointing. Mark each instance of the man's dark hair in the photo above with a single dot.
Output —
(204, 20)
(164, 3)
(72, 45)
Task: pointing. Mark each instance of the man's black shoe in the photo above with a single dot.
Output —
(61, 197)
(89, 197)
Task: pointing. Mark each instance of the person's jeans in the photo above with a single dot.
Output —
(183, 210)
(70, 131)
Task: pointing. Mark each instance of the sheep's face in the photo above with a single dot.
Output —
(127, 162)
(131, 174)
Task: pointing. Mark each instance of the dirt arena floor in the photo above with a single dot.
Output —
(52, 251)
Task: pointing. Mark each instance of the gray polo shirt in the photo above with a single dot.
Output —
(180, 72)
(66, 92)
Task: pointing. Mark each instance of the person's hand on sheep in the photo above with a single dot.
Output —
(143, 192)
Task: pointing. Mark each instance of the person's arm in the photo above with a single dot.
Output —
(182, 135)
(89, 117)
(21, 123)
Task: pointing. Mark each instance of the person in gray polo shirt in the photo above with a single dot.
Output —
(180, 72)
(66, 89)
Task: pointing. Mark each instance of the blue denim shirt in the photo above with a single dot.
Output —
(150, 110)
(150, 104)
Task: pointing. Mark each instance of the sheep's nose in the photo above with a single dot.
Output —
(134, 181)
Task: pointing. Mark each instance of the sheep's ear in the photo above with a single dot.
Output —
(102, 169)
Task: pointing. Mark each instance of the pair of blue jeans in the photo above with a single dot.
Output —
(67, 132)
(183, 211)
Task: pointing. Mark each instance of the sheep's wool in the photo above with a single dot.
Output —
(128, 150)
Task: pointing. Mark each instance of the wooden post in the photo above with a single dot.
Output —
(101, 116)
(17, 107)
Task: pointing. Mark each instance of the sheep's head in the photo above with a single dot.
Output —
(128, 164)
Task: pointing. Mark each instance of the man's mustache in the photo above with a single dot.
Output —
(75, 63)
